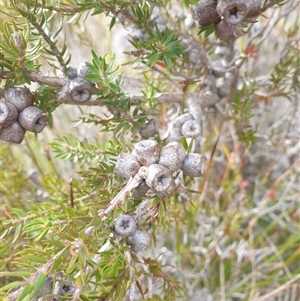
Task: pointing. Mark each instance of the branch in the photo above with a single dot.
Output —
(32, 19)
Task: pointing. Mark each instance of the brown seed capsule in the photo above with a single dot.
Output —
(8, 113)
(125, 225)
(193, 165)
(228, 32)
(254, 8)
(139, 240)
(232, 11)
(205, 14)
(17, 40)
(172, 156)
(19, 96)
(149, 130)
(127, 165)
(32, 119)
(141, 190)
(160, 180)
(146, 151)
(80, 89)
(191, 128)
(13, 133)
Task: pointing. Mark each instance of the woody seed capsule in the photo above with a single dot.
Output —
(205, 14)
(125, 225)
(160, 180)
(232, 11)
(146, 151)
(19, 96)
(139, 240)
(80, 89)
(127, 165)
(191, 128)
(32, 119)
(227, 31)
(193, 165)
(13, 133)
(8, 113)
(172, 156)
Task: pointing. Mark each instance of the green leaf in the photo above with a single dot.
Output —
(26, 291)
(39, 282)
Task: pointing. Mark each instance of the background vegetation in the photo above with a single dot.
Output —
(230, 235)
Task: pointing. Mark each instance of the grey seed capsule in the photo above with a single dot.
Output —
(175, 134)
(139, 240)
(32, 119)
(232, 11)
(80, 89)
(146, 151)
(193, 165)
(125, 225)
(19, 96)
(72, 73)
(172, 156)
(141, 190)
(191, 128)
(254, 8)
(205, 14)
(160, 180)
(227, 32)
(83, 69)
(127, 165)
(8, 113)
(181, 119)
(149, 130)
(13, 133)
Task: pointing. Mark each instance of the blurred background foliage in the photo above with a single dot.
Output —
(232, 235)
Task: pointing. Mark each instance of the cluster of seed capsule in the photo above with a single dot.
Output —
(225, 15)
(18, 115)
(184, 125)
(159, 165)
(125, 225)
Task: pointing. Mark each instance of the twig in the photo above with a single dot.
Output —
(71, 192)
(54, 49)
(45, 268)
(271, 295)
(120, 197)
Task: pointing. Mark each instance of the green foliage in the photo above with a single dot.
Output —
(232, 233)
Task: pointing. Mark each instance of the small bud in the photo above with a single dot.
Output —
(232, 11)
(32, 119)
(125, 225)
(228, 32)
(19, 96)
(8, 113)
(191, 128)
(172, 156)
(254, 8)
(13, 133)
(80, 89)
(160, 180)
(127, 165)
(147, 152)
(205, 14)
(149, 130)
(139, 240)
(141, 190)
(193, 165)
(83, 69)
